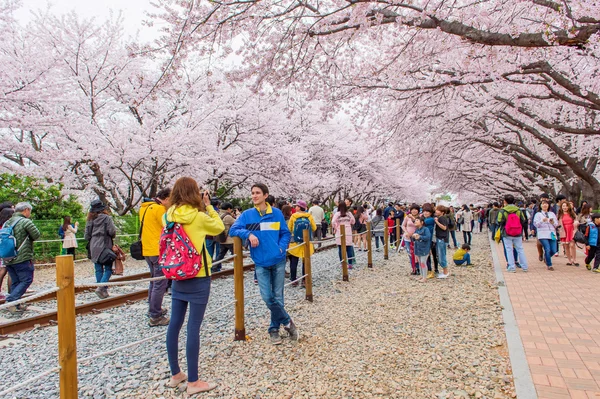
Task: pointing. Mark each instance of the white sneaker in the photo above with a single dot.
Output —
(442, 275)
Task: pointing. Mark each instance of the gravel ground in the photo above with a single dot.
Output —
(381, 335)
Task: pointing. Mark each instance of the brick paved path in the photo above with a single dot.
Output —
(559, 322)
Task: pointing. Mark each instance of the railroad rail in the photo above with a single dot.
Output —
(27, 323)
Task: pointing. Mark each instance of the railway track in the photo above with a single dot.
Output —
(47, 318)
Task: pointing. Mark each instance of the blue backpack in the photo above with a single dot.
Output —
(301, 224)
(8, 242)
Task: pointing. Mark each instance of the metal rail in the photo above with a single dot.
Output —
(50, 317)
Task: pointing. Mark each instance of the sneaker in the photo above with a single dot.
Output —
(159, 321)
(349, 266)
(556, 255)
(295, 284)
(215, 269)
(430, 275)
(550, 268)
(163, 312)
(292, 330)
(518, 265)
(587, 266)
(99, 292)
(541, 258)
(275, 338)
(442, 275)
(596, 270)
(512, 270)
(525, 270)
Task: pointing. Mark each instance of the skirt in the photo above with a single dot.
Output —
(194, 290)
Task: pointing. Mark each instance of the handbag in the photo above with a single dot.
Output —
(107, 256)
(119, 261)
(136, 249)
(460, 220)
(498, 235)
(579, 237)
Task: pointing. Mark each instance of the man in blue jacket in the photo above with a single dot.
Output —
(269, 236)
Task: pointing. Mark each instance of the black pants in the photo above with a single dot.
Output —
(70, 251)
(222, 252)
(433, 254)
(294, 267)
(593, 254)
(467, 236)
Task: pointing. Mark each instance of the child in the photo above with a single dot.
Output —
(462, 255)
(422, 241)
(591, 234)
(392, 230)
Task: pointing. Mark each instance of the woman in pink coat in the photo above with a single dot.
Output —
(343, 217)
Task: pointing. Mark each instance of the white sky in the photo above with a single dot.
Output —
(132, 11)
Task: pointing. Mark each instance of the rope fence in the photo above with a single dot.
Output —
(35, 379)
(29, 298)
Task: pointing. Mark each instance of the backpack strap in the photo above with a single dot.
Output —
(142, 224)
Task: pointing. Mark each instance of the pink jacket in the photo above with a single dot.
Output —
(347, 221)
(408, 226)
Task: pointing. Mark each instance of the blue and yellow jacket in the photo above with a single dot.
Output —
(271, 230)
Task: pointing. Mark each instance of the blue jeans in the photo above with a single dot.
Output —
(349, 254)
(157, 289)
(212, 248)
(21, 277)
(515, 254)
(270, 284)
(549, 249)
(453, 235)
(103, 272)
(192, 346)
(377, 239)
(440, 248)
(466, 259)
(512, 244)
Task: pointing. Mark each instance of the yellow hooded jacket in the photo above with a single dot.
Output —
(299, 252)
(197, 226)
(152, 215)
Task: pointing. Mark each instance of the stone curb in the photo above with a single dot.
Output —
(524, 386)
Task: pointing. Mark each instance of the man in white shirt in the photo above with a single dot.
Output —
(318, 215)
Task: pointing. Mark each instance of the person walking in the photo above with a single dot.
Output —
(6, 211)
(20, 269)
(194, 212)
(567, 220)
(545, 223)
(510, 220)
(344, 217)
(318, 214)
(152, 212)
(592, 246)
(493, 218)
(100, 232)
(300, 221)
(69, 240)
(226, 242)
(269, 238)
(467, 218)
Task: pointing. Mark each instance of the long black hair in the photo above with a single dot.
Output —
(342, 209)
(5, 214)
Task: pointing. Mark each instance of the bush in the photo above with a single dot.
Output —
(47, 199)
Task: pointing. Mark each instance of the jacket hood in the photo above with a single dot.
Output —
(511, 208)
(146, 204)
(183, 214)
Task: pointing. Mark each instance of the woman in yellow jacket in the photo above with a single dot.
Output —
(193, 211)
(298, 222)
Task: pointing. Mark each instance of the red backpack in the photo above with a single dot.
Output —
(179, 259)
(513, 225)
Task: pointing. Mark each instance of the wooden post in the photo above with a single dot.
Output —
(386, 239)
(238, 289)
(369, 247)
(67, 341)
(307, 266)
(398, 237)
(344, 253)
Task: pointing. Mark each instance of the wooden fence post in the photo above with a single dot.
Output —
(344, 253)
(307, 266)
(238, 289)
(67, 340)
(386, 239)
(398, 237)
(369, 247)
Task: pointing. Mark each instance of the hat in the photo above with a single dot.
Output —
(301, 204)
(97, 206)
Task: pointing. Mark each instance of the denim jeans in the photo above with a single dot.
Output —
(515, 243)
(157, 289)
(103, 272)
(270, 283)
(466, 259)
(21, 277)
(212, 248)
(440, 248)
(377, 239)
(349, 254)
(453, 235)
(467, 237)
(515, 254)
(192, 345)
(223, 249)
(549, 249)
(294, 267)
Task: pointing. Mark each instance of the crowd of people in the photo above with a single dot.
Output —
(275, 231)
